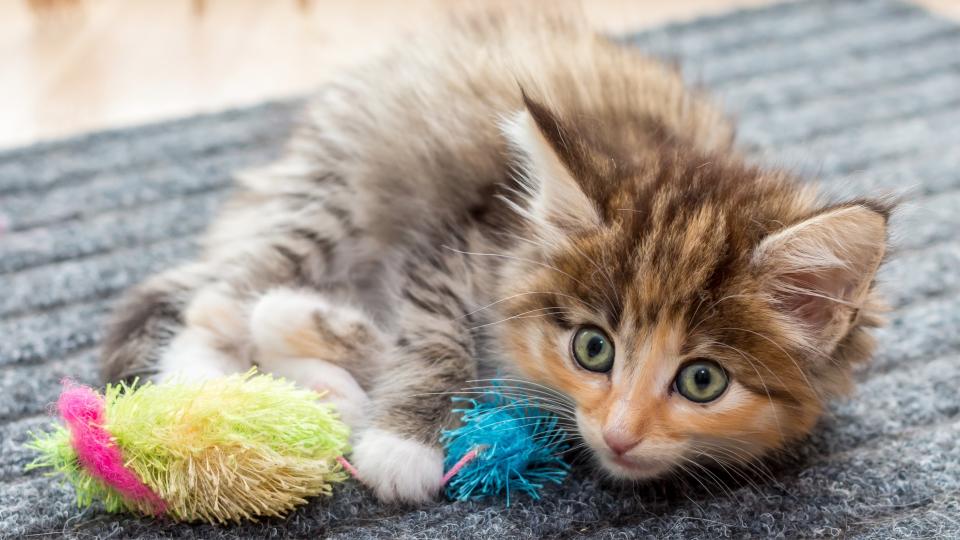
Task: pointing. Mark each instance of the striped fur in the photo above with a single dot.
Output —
(469, 201)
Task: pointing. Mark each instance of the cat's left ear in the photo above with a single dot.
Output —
(820, 271)
(551, 157)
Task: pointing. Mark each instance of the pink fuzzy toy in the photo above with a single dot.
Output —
(82, 410)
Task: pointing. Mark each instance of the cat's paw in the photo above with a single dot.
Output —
(302, 324)
(398, 469)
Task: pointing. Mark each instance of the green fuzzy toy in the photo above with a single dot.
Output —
(235, 448)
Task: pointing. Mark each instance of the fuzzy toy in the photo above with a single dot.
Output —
(504, 445)
(251, 445)
(235, 448)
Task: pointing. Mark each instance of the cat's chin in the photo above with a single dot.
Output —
(633, 468)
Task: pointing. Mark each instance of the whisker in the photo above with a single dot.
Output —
(715, 304)
(554, 407)
(733, 469)
(511, 297)
(526, 382)
(561, 412)
(531, 396)
(619, 303)
(691, 474)
(518, 423)
(521, 259)
(740, 467)
(777, 345)
(559, 398)
(773, 408)
(522, 315)
(752, 463)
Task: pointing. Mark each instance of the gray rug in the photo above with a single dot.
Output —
(866, 94)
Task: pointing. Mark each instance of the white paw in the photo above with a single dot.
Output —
(281, 319)
(287, 322)
(398, 469)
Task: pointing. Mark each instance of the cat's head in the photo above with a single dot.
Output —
(692, 308)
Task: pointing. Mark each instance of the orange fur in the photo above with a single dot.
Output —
(698, 256)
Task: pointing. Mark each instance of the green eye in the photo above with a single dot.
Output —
(592, 349)
(701, 381)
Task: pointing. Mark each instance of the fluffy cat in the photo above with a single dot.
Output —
(519, 194)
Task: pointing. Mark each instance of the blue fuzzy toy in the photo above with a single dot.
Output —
(505, 445)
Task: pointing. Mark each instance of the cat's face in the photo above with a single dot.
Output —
(655, 385)
(693, 312)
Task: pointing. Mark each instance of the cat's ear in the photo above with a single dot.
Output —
(820, 271)
(550, 157)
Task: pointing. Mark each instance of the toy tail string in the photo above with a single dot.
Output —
(467, 458)
(349, 467)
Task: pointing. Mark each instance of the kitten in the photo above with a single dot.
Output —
(518, 192)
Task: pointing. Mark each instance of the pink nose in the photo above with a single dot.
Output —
(620, 441)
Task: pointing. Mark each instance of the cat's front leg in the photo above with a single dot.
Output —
(399, 455)
(321, 343)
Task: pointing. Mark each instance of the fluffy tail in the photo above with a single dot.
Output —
(147, 318)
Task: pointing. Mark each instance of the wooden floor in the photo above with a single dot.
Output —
(69, 66)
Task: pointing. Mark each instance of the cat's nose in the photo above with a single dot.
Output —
(619, 441)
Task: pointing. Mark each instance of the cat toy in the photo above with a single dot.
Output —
(240, 447)
(251, 445)
(503, 445)
(507, 444)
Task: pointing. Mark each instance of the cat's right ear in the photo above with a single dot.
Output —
(550, 158)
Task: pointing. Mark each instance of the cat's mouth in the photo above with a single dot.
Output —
(637, 468)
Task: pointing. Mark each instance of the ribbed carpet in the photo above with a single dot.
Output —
(864, 93)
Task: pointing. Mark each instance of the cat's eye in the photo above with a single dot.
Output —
(701, 381)
(592, 349)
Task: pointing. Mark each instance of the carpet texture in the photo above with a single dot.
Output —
(864, 94)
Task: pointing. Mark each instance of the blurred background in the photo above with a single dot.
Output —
(71, 66)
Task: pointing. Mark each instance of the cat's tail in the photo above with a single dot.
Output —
(146, 319)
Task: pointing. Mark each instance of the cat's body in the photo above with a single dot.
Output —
(430, 216)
